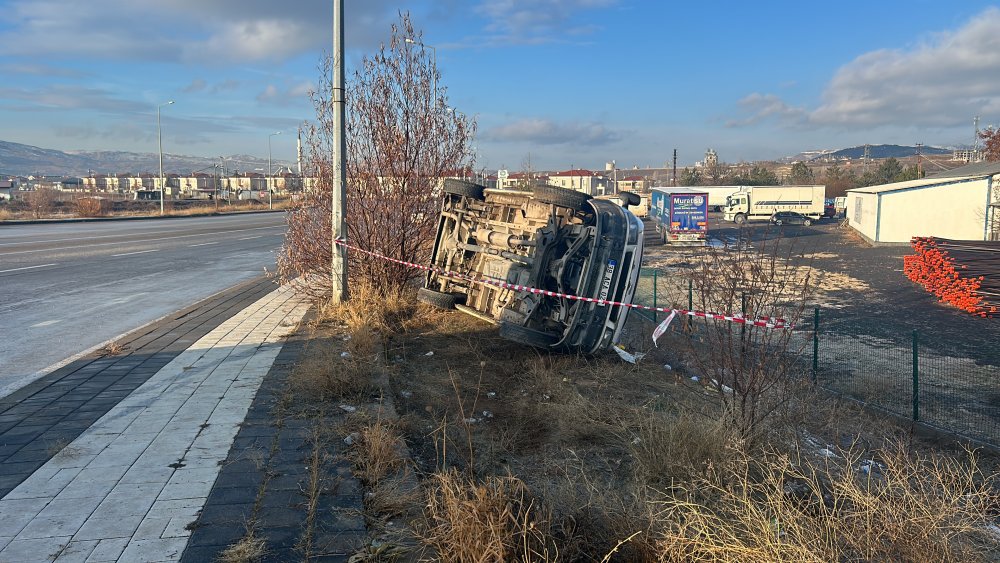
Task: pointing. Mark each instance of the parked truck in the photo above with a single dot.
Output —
(717, 195)
(755, 203)
(680, 215)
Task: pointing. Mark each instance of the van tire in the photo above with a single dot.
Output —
(529, 336)
(740, 219)
(463, 189)
(554, 195)
(436, 298)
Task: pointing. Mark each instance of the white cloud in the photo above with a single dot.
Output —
(190, 31)
(536, 21)
(942, 81)
(547, 132)
(296, 93)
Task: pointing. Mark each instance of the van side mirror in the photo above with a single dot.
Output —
(629, 198)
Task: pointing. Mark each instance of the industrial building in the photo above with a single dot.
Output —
(962, 204)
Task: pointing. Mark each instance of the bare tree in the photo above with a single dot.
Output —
(750, 367)
(402, 140)
(991, 143)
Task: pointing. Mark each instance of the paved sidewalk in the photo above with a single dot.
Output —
(128, 487)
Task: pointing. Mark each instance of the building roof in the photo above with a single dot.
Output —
(977, 169)
(919, 183)
(634, 179)
(577, 172)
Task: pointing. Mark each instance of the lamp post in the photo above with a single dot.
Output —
(435, 60)
(268, 182)
(159, 140)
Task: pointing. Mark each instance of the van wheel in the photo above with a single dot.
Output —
(562, 197)
(463, 188)
(806, 223)
(436, 298)
(524, 335)
(740, 218)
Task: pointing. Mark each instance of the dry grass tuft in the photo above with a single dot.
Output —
(673, 450)
(492, 520)
(248, 550)
(906, 508)
(372, 309)
(379, 452)
(324, 375)
(113, 349)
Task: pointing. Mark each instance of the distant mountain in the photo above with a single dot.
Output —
(886, 151)
(24, 160)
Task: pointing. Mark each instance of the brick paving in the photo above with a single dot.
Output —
(265, 479)
(144, 449)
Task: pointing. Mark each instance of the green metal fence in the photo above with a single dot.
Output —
(898, 370)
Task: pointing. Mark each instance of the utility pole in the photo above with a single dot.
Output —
(298, 152)
(867, 157)
(339, 192)
(919, 145)
(673, 178)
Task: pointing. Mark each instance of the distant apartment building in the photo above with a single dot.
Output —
(634, 184)
(590, 183)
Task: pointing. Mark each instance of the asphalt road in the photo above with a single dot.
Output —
(67, 287)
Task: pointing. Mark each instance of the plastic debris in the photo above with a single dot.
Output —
(345, 354)
(348, 408)
(431, 353)
(491, 395)
(406, 394)
(352, 438)
(667, 367)
(695, 378)
(487, 414)
(630, 358)
(471, 420)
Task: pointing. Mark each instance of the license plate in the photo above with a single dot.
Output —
(609, 274)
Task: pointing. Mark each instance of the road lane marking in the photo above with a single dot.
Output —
(133, 241)
(136, 252)
(46, 323)
(202, 244)
(26, 268)
(147, 233)
(250, 238)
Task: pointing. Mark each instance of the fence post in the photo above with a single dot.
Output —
(815, 344)
(655, 315)
(916, 378)
(690, 294)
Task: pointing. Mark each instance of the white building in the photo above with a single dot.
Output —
(590, 183)
(961, 204)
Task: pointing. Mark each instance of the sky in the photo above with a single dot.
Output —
(564, 83)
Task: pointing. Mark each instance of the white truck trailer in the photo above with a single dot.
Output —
(717, 195)
(756, 203)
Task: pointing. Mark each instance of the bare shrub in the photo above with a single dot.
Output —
(402, 139)
(490, 520)
(41, 202)
(903, 508)
(750, 367)
(91, 206)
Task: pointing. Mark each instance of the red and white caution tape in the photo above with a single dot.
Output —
(766, 322)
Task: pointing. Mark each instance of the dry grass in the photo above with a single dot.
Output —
(672, 450)
(248, 550)
(906, 508)
(492, 520)
(113, 349)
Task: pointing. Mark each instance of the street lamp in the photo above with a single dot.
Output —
(411, 41)
(268, 182)
(159, 139)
